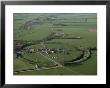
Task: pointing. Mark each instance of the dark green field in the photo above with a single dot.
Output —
(55, 43)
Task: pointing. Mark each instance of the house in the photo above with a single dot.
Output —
(59, 34)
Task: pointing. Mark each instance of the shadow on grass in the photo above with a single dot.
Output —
(75, 64)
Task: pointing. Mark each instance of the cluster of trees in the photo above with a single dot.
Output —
(49, 37)
(21, 44)
(60, 24)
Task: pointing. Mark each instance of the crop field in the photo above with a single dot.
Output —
(55, 43)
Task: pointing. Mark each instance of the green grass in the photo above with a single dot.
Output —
(89, 67)
(55, 71)
(75, 25)
(20, 64)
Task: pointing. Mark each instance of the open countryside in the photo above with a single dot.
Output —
(55, 43)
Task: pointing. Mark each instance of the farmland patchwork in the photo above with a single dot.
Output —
(55, 44)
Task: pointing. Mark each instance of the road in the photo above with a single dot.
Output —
(59, 65)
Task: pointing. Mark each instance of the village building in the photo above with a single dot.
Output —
(59, 34)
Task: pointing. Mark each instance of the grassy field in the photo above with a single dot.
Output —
(35, 29)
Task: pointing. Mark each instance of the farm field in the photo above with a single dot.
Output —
(55, 44)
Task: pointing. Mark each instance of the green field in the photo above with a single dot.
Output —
(55, 44)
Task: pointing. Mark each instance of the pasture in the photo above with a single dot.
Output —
(45, 42)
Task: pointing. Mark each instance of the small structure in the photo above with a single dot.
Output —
(78, 37)
(52, 50)
(31, 50)
(59, 34)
